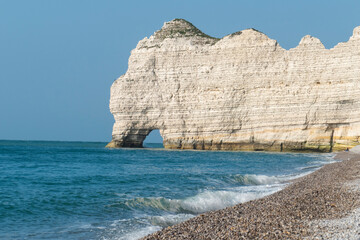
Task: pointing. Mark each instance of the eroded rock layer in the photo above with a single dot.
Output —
(241, 92)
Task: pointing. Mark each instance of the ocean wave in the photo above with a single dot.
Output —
(326, 158)
(311, 167)
(253, 179)
(204, 201)
(131, 234)
(325, 162)
(169, 219)
(139, 233)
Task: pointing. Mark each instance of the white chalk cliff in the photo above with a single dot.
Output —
(240, 92)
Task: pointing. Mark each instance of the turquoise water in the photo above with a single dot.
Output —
(81, 190)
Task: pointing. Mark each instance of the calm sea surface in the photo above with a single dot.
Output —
(81, 190)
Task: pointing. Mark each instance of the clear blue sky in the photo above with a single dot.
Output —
(58, 58)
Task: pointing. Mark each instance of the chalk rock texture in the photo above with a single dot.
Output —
(240, 92)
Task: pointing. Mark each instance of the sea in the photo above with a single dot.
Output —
(82, 190)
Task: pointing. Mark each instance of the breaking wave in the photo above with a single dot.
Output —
(252, 179)
(204, 201)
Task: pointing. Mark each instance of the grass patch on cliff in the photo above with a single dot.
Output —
(181, 28)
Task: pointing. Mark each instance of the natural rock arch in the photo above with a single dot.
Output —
(153, 139)
(133, 139)
(240, 92)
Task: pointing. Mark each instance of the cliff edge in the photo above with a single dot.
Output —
(240, 92)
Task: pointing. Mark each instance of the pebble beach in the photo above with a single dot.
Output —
(322, 205)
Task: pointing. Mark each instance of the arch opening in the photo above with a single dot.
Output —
(153, 139)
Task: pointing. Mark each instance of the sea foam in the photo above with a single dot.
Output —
(206, 200)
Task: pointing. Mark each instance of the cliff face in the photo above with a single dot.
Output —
(241, 92)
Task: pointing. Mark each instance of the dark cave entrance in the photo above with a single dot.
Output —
(153, 139)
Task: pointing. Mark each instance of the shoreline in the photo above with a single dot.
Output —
(311, 207)
(290, 147)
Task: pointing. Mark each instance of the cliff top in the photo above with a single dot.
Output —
(180, 28)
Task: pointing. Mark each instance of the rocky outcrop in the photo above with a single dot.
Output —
(240, 92)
